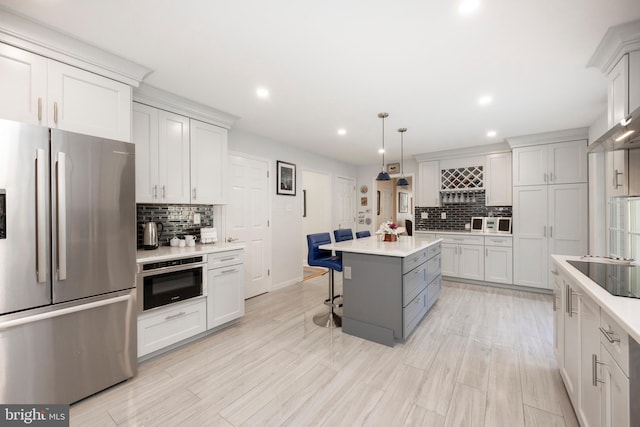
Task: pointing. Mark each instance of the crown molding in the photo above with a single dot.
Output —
(617, 41)
(478, 150)
(155, 97)
(566, 135)
(36, 37)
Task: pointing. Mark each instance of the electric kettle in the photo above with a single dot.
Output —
(151, 235)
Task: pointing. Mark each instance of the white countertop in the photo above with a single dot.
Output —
(625, 311)
(462, 232)
(373, 245)
(169, 252)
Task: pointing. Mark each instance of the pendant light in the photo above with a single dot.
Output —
(383, 175)
(402, 182)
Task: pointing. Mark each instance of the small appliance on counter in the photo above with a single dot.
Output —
(495, 224)
(151, 235)
(208, 235)
(477, 224)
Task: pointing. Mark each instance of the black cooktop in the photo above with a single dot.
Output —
(619, 280)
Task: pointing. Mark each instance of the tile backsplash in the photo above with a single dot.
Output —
(175, 219)
(458, 214)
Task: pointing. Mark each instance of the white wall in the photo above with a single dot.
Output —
(286, 211)
(318, 217)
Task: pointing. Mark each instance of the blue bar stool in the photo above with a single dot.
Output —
(341, 235)
(361, 234)
(323, 258)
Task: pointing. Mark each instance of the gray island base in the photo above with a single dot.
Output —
(388, 287)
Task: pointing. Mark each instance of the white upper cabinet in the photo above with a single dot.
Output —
(618, 91)
(44, 92)
(498, 178)
(162, 155)
(559, 163)
(429, 184)
(208, 163)
(86, 103)
(23, 86)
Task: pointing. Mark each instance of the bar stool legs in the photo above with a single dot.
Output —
(330, 319)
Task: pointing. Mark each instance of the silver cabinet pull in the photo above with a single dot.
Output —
(62, 215)
(555, 298)
(227, 259)
(163, 192)
(550, 176)
(594, 370)
(551, 231)
(228, 271)
(545, 177)
(173, 316)
(609, 335)
(155, 191)
(616, 174)
(567, 299)
(555, 273)
(194, 193)
(544, 231)
(486, 251)
(55, 112)
(39, 109)
(41, 218)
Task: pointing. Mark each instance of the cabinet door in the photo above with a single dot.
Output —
(225, 295)
(558, 318)
(498, 264)
(530, 247)
(567, 218)
(173, 158)
(571, 366)
(145, 137)
(83, 102)
(616, 177)
(23, 86)
(567, 162)
(589, 407)
(614, 402)
(498, 179)
(471, 262)
(429, 187)
(208, 163)
(449, 259)
(530, 165)
(618, 91)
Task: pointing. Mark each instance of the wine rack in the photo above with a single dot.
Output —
(466, 178)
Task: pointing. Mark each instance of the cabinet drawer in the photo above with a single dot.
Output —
(413, 283)
(223, 259)
(414, 312)
(170, 325)
(413, 260)
(433, 251)
(498, 241)
(461, 239)
(615, 340)
(433, 268)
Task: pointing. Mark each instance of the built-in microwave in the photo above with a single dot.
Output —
(165, 282)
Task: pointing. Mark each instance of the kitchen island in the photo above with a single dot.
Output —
(388, 287)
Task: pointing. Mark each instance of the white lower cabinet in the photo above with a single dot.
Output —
(477, 257)
(461, 260)
(571, 364)
(615, 396)
(165, 326)
(225, 282)
(498, 263)
(589, 399)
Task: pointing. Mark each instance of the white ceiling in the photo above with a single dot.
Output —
(337, 63)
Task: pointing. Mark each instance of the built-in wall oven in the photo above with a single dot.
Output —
(165, 282)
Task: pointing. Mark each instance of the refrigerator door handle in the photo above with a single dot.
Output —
(41, 217)
(62, 215)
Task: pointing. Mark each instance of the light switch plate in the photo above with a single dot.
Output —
(424, 215)
(347, 272)
(443, 215)
(196, 218)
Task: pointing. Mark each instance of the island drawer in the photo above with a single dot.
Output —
(433, 291)
(414, 312)
(413, 283)
(616, 340)
(433, 268)
(414, 260)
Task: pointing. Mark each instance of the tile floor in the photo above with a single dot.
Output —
(482, 357)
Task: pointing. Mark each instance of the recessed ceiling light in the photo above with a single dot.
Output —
(485, 100)
(492, 133)
(262, 92)
(342, 131)
(381, 151)
(468, 6)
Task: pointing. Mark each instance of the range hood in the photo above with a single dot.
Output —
(624, 135)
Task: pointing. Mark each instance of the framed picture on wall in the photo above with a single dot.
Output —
(286, 181)
(393, 167)
(403, 202)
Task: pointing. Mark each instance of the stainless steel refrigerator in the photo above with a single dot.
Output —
(67, 264)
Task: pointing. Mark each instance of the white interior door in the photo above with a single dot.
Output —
(248, 219)
(345, 203)
(386, 202)
(317, 200)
